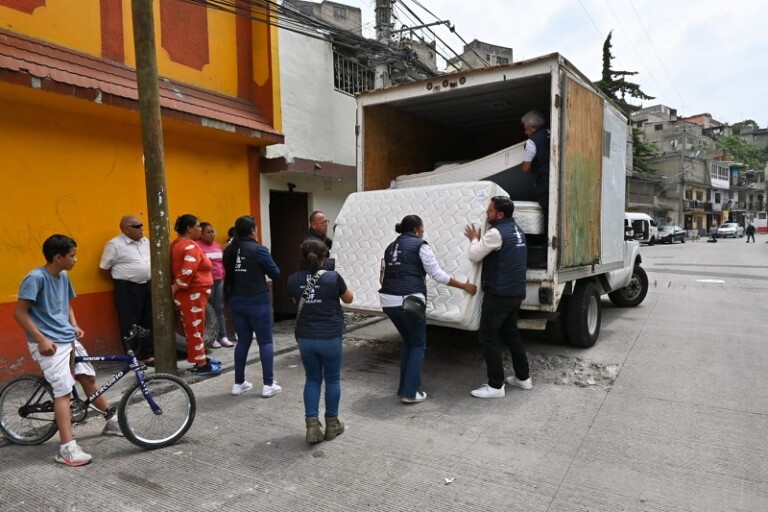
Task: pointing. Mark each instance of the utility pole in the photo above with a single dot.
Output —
(384, 36)
(155, 183)
(682, 182)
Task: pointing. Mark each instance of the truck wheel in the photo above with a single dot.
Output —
(634, 293)
(652, 241)
(584, 313)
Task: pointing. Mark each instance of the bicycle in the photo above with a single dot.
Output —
(154, 412)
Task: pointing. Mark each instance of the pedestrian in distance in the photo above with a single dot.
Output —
(126, 260)
(407, 261)
(191, 289)
(751, 232)
(502, 249)
(713, 233)
(319, 330)
(213, 250)
(247, 264)
(45, 312)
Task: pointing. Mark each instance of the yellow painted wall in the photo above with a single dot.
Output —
(77, 174)
(71, 23)
(220, 75)
(76, 24)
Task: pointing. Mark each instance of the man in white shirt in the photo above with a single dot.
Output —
(126, 259)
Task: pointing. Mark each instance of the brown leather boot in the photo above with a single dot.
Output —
(314, 430)
(333, 427)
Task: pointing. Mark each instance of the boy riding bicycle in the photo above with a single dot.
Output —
(46, 315)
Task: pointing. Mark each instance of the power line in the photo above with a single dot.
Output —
(283, 16)
(629, 39)
(653, 47)
(436, 36)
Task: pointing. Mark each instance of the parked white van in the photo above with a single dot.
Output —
(645, 228)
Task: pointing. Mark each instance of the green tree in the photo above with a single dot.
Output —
(614, 84)
(642, 151)
(741, 124)
(751, 155)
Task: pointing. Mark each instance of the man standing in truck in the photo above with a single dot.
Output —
(536, 156)
(504, 254)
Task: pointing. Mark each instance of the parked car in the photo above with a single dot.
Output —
(669, 234)
(730, 229)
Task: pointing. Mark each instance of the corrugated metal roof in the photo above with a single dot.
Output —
(48, 62)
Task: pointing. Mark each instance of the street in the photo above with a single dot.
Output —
(668, 411)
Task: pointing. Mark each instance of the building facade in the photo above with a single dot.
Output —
(71, 143)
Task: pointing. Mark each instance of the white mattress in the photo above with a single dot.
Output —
(476, 170)
(365, 226)
(528, 214)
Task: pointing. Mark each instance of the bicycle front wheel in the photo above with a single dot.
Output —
(149, 429)
(26, 410)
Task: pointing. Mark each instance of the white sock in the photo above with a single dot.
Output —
(71, 443)
(112, 419)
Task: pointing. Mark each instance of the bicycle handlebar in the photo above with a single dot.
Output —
(136, 331)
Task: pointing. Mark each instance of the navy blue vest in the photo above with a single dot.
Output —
(504, 270)
(540, 163)
(321, 315)
(403, 270)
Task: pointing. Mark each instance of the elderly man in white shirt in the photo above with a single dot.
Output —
(126, 259)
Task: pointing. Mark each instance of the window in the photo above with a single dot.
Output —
(339, 12)
(502, 60)
(700, 195)
(658, 127)
(718, 197)
(689, 194)
(639, 124)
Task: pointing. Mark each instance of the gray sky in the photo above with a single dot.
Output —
(695, 56)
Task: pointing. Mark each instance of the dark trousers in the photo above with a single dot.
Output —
(750, 235)
(498, 322)
(134, 306)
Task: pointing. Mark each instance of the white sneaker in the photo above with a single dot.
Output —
(112, 428)
(215, 344)
(72, 455)
(268, 391)
(486, 391)
(420, 397)
(239, 389)
(522, 384)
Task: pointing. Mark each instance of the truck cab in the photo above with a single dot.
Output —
(646, 230)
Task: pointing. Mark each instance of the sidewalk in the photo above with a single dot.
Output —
(282, 337)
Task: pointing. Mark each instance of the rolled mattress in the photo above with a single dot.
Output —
(365, 226)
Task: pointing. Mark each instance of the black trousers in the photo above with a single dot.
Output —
(134, 306)
(498, 323)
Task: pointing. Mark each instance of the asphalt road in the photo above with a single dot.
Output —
(668, 412)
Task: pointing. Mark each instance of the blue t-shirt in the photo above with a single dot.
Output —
(321, 316)
(50, 298)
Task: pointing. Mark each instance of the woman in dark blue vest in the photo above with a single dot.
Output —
(246, 264)
(319, 328)
(407, 261)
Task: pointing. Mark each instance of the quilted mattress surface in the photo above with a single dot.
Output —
(365, 226)
(476, 170)
(502, 167)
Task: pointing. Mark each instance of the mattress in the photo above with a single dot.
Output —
(504, 169)
(365, 226)
(476, 170)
